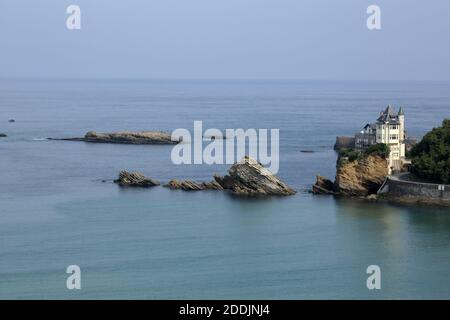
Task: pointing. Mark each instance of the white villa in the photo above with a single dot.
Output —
(389, 129)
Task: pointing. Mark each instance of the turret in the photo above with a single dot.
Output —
(401, 120)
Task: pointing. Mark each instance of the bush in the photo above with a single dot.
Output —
(350, 154)
(380, 149)
(431, 156)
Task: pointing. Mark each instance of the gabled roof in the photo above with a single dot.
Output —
(372, 126)
(388, 115)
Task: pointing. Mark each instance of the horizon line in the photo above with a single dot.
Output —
(3, 78)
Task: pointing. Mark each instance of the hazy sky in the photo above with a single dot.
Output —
(252, 39)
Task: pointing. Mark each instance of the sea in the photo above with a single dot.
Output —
(59, 206)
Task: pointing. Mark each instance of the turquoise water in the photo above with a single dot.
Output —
(55, 209)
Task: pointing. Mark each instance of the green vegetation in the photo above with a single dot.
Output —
(380, 149)
(350, 153)
(431, 156)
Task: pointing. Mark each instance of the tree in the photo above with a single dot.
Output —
(431, 156)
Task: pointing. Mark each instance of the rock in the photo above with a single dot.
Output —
(361, 177)
(188, 185)
(213, 185)
(250, 178)
(372, 197)
(2, 135)
(143, 137)
(135, 179)
(323, 186)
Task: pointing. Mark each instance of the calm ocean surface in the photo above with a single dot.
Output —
(160, 244)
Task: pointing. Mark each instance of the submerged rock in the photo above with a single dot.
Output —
(126, 137)
(135, 179)
(361, 177)
(248, 177)
(188, 185)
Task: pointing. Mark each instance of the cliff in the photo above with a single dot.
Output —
(360, 177)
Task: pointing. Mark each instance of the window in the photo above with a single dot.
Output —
(394, 137)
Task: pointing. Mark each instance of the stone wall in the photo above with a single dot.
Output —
(344, 142)
(400, 187)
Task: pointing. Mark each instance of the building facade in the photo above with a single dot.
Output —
(388, 129)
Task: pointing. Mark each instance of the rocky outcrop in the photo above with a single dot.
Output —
(135, 179)
(248, 177)
(323, 186)
(126, 137)
(2, 135)
(361, 177)
(188, 185)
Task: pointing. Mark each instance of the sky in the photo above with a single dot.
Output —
(226, 39)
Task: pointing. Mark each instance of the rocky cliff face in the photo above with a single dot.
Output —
(361, 177)
(248, 177)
